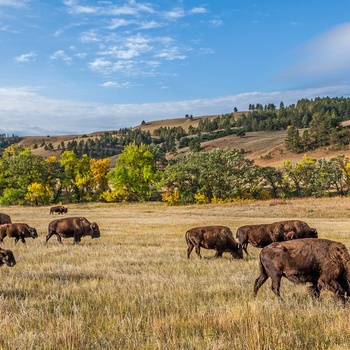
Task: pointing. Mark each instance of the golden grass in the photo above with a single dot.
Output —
(134, 288)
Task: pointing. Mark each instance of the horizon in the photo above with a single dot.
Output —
(77, 66)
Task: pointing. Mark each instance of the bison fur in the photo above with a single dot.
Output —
(76, 227)
(219, 238)
(322, 262)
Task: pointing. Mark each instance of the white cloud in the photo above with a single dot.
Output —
(131, 8)
(176, 13)
(323, 56)
(27, 57)
(60, 54)
(29, 113)
(119, 22)
(196, 10)
(13, 3)
(113, 84)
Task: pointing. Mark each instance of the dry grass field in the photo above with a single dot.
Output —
(133, 288)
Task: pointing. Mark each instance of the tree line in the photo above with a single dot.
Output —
(142, 173)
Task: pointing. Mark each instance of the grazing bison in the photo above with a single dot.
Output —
(60, 209)
(322, 262)
(76, 227)
(260, 236)
(219, 238)
(4, 219)
(17, 230)
(7, 258)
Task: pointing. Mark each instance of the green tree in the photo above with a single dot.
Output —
(135, 172)
(219, 173)
(302, 175)
(20, 169)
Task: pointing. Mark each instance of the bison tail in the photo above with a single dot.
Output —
(186, 238)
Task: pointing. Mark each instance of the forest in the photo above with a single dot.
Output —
(143, 171)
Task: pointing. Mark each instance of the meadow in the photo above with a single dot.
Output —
(134, 288)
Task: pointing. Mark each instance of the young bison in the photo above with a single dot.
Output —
(219, 238)
(19, 231)
(322, 262)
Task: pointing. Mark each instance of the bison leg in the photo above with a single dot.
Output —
(314, 291)
(198, 250)
(244, 247)
(77, 239)
(190, 247)
(261, 279)
(218, 254)
(50, 234)
(259, 282)
(333, 286)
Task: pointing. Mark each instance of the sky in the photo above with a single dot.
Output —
(80, 66)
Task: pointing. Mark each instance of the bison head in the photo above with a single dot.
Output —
(237, 252)
(95, 230)
(7, 257)
(313, 233)
(33, 232)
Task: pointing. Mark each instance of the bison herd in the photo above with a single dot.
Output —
(75, 227)
(290, 249)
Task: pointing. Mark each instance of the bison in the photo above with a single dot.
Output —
(261, 235)
(76, 227)
(322, 262)
(219, 238)
(19, 231)
(7, 258)
(60, 209)
(5, 219)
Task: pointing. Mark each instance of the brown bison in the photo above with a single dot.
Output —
(4, 219)
(323, 263)
(19, 231)
(60, 209)
(219, 238)
(7, 258)
(76, 227)
(261, 235)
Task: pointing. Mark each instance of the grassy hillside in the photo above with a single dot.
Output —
(265, 148)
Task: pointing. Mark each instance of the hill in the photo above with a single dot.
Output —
(265, 148)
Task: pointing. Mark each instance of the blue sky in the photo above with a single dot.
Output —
(78, 66)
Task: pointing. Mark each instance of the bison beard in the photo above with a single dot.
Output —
(323, 263)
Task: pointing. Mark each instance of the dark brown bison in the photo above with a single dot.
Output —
(19, 231)
(76, 227)
(60, 209)
(4, 219)
(261, 235)
(219, 238)
(7, 258)
(323, 263)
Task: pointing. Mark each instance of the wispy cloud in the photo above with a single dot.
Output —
(114, 84)
(30, 113)
(13, 3)
(61, 55)
(27, 57)
(131, 8)
(325, 55)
